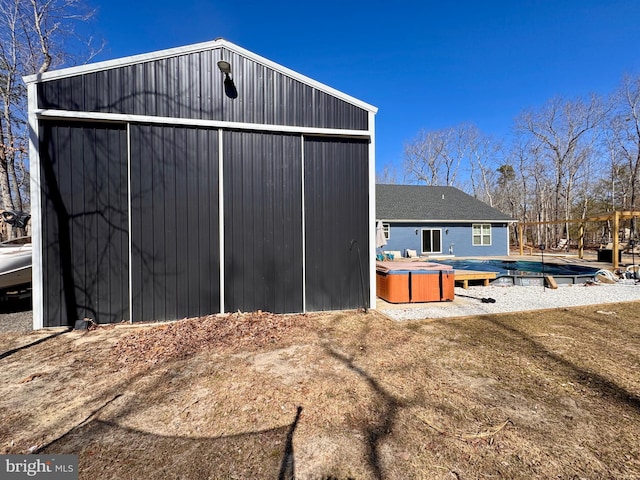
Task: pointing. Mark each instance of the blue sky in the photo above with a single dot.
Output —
(425, 64)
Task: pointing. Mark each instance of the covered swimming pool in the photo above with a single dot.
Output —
(521, 272)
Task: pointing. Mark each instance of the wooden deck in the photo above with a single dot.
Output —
(465, 275)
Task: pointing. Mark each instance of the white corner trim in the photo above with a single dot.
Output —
(129, 223)
(221, 217)
(304, 229)
(37, 283)
(372, 211)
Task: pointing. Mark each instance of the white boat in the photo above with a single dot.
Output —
(15, 263)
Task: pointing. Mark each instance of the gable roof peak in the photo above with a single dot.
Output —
(218, 43)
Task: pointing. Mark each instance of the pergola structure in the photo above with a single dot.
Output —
(615, 217)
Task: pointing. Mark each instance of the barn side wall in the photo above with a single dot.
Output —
(191, 202)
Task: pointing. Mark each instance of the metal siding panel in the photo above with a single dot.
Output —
(138, 197)
(194, 86)
(209, 240)
(177, 249)
(90, 92)
(127, 100)
(206, 82)
(261, 189)
(138, 96)
(136, 92)
(194, 200)
(215, 83)
(102, 92)
(260, 99)
(77, 236)
(336, 207)
(279, 106)
(181, 164)
(74, 91)
(161, 92)
(173, 85)
(182, 99)
(304, 106)
(116, 186)
(150, 89)
(51, 154)
(62, 163)
(142, 164)
(46, 94)
(157, 264)
(208, 265)
(319, 110)
(93, 147)
(135, 151)
(269, 107)
(165, 193)
(64, 94)
(114, 91)
(75, 208)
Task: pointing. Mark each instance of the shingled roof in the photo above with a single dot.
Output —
(432, 203)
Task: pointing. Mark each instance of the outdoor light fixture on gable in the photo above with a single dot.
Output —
(225, 67)
(229, 87)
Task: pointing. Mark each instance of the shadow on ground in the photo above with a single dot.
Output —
(266, 454)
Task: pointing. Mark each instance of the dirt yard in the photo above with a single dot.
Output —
(553, 394)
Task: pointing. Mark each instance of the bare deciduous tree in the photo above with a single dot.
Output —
(35, 35)
(439, 157)
(623, 145)
(423, 157)
(389, 175)
(568, 159)
(565, 133)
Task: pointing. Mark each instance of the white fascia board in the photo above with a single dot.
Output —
(298, 76)
(198, 47)
(372, 212)
(121, 62)
(442, 221)
(37, 282)
(127, 118)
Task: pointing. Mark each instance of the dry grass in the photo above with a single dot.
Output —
(553, 394)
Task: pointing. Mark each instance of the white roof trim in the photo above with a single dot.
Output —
(172, 52)
(194, 122)
(445, 221)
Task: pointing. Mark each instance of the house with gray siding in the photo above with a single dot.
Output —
(440, 221)
(197, 180)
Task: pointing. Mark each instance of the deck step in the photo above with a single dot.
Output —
(551, 282)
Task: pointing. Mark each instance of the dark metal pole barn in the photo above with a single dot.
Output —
(164, 188)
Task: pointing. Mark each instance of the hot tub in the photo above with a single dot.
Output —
(527, 273)
(414, 282)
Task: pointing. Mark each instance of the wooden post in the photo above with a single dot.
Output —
(616, 228)
(581, 241)
(520, 229)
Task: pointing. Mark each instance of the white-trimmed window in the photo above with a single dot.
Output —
(481, 234)
(431, 240)
(386, 230)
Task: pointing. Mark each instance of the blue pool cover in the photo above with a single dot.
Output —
(520, 267)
